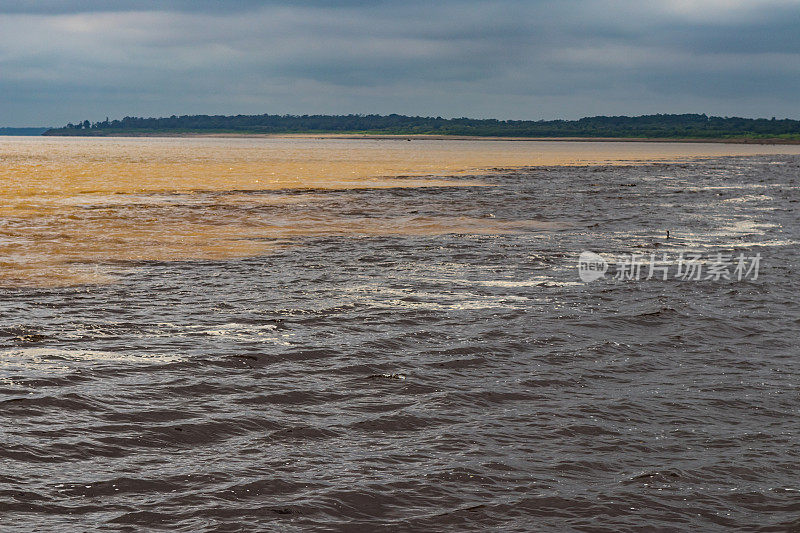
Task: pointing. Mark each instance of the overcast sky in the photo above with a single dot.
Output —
(64, 60)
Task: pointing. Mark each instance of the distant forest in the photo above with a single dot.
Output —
(647, 126)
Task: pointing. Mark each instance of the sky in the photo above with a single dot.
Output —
(65, 61)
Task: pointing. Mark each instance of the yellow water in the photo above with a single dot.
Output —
(68, 206)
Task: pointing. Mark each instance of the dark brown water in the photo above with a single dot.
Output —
(449, 380)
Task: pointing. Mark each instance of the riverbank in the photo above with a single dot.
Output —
(396, 137)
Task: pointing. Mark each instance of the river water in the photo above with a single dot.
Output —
(328, 335)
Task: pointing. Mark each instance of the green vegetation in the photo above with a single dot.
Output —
(647, 126)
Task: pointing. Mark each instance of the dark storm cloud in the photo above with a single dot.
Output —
(67, 60)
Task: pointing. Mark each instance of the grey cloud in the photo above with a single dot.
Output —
(65, 60)
(214, 6)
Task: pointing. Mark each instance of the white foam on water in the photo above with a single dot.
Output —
(167, 329)
(535, 281)
(235, 330)
(475, 304)
(745, 227)
(51, 362)
(748, 198)
(230, 329)
(439, 301)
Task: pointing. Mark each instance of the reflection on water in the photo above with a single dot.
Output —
(70, 206)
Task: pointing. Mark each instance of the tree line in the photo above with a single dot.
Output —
(656, 126)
